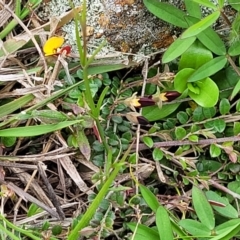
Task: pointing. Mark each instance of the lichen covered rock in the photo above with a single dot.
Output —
(127, 26)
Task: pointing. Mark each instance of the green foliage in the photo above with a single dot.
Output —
(192, 57)
(190, 140)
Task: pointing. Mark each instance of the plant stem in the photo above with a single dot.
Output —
(233, 65)
(94, 205)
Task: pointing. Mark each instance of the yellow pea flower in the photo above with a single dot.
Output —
(52, 45)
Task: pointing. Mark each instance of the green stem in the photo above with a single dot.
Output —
(25, 12)
(88, 94)
(94, 205)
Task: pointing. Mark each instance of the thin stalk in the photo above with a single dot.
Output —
(232, 63)
(94, 205)
(14, 23)
(106, 146)
(78, 39)
(88, 94)
(91, 59)
(83, 22)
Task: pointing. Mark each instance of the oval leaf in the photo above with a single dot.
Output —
(235, 90)
(154, 113)
(235, 4)
(180, 80)
(180, 133)
(193, 8)
(206, 3)
(227, 211)
(208, 95)
(215, 151)
(208, 69)
(157, 154)
(167, 12)
(224, 106)
(149, 198)
(177, 48)
(143, 232)
(194, 227)
(201, 25)
(234, 49)
(164, 224)
(209, 38)
(203, 208)
(148, 141)
(196, 56)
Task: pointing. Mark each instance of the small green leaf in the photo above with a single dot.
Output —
(209, 38)
(198, 114)
(45, 225)
(83, 143)
(201, 25)
(236, 128)
(227, 211)
(203, 208)
(14, 105)
(56, 230)
(226, 233)
(193, 8)
(97, 146)
(11, 45)
(35, 130)
(8, 141)
(148, 141)
(194, 227)
(196, 56)
(209, 112)
(177, 48)
(149, 198)
(208, 69)
(238, 106)
(143, 232)
(208, 95)
(154, 113)
(164, 224)
(49, 116)
(234, 49)
(180, 133)
(167, 12)
(180, 80)
(235, 4)
(235, 90)
(206, 3)
(117, 119)
(33, 209)
(221, 3)
(224, 106)
(215, 151)
(182, 117)
(217, 125)
(193, 138)
(157, 154)
(193, 88)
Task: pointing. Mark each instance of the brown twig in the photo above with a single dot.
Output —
(142, 146)
(51, 192)
(28, 197)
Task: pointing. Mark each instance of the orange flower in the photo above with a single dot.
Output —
(53, 46)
